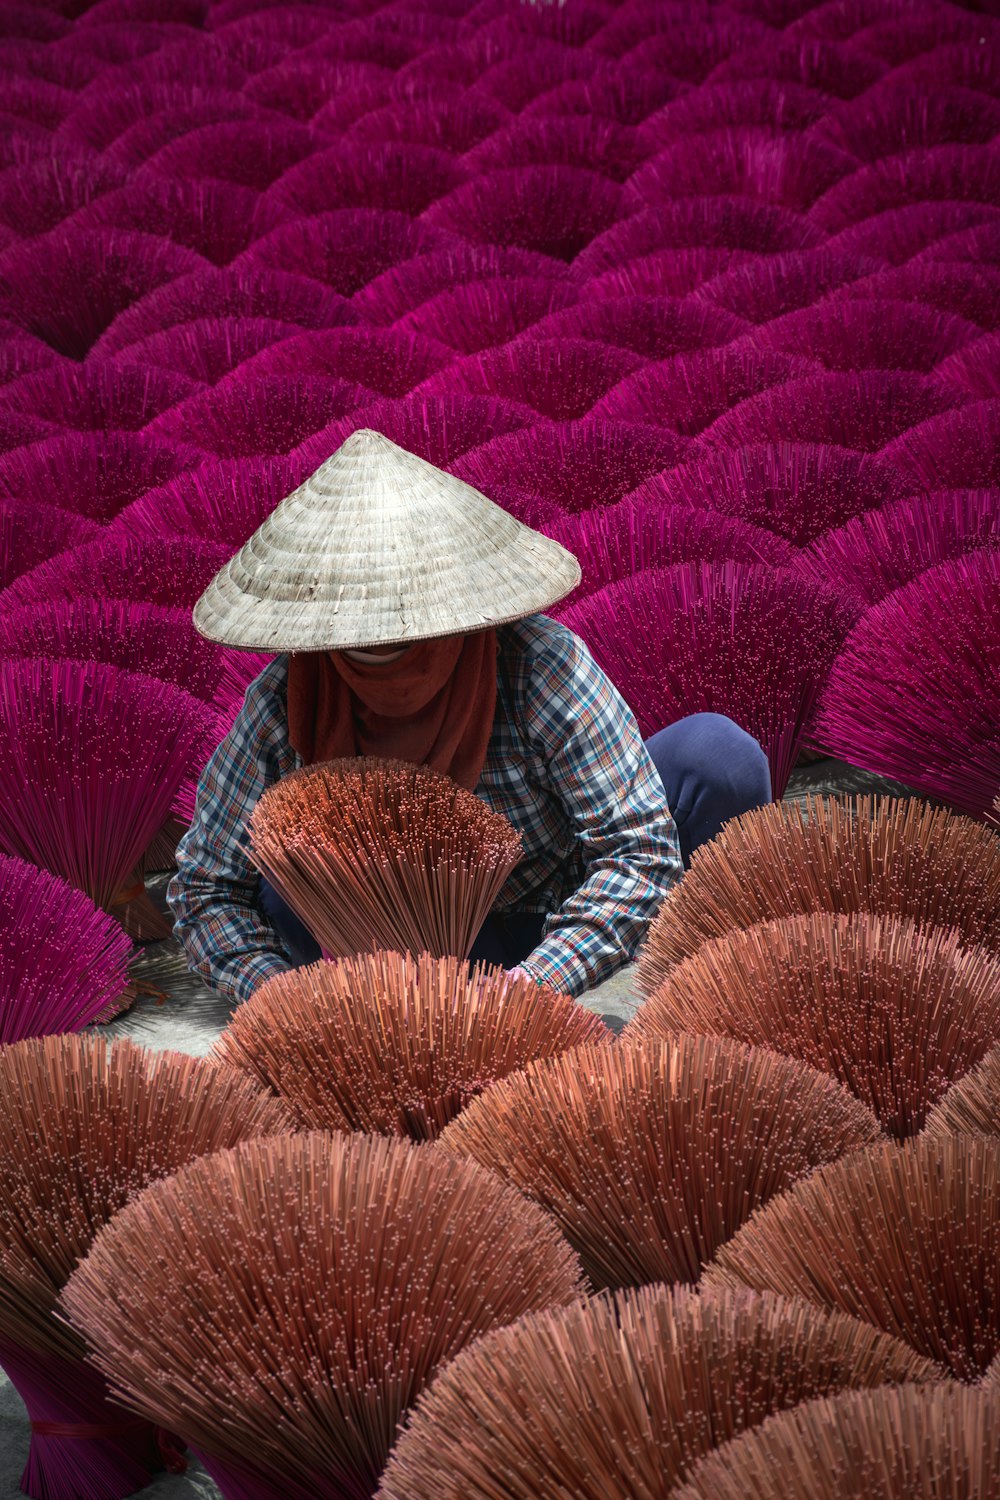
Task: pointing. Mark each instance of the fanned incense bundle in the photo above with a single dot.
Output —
(30, 534)
(554, 211)
(622, 1395)
(347, 248)
(375, 853)
(207, 349)
(972, 1105)
(651, 1156)
(907, 1442)
(84, 1126)
(752, 642)
(63, 962)
(915, 691)
(561, 379)
(94, 757)
(353, 1267)
(893, 1012)
(906, 1237)
(869, 854)
(396, 1045)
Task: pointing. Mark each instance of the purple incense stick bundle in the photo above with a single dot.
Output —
(63, 962)
(554, 210)
(308, 1217)
(395, 1045)
(456, 124)
(244, 416)
(617, 541)
(974, 369)
(791, 170)
(347, 248)
(714, 106)
(751, 642)
(869, 335)
(797, 490)
(959, 449)
(578, 466)
(372, 174)
(207, 349)
(95, 474)
(896, 235)
(767, 286)
(94, 757)
(216, 219)
(438, 428)
(622, 1395)
(654, 327)
(68, 287)
(35, 198)
(913, 693)
(375, 853)
(153, 570)
(906, 1442)
(85, 1126)
(387, 361)
(601, 146)
(721, 223)
(950, 173)
(689, 391)
(905, 1237)
(253, 153)
(482, 314)
(662, 273)
(135, 120)
(559, 378)
(893, 117)
(878, 552)
(249, 291)
(97, 395)
(222, 501)
(30, 534)
(893, 1012)
(732, 1127)
(626, 93)
(402, 288)
(938, 284)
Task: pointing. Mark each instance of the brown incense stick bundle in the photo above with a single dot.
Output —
(896, 1013)
(382, 854)
(282, 1304)
(971, 1106)
(906, 1442)
(870, 854)
(906, 1237)
(83, 1126)
(652, 1156)
(622, 1395)
(991, 1380)
(394, 1044)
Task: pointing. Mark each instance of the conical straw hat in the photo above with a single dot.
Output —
(376, 548)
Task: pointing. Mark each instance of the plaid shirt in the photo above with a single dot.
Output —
(565, 764)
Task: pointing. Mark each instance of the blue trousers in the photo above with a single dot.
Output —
(711, 770)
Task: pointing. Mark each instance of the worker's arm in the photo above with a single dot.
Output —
(227, 937)
(597, 764)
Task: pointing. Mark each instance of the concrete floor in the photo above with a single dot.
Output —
(191, 1017)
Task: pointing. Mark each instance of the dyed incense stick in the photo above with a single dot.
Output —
(380, 1262)
(906, 1237)
(894, 1012)
(867, 854)
(972, 1105)
(376, 853)
(84, 1126)
(622, 1395)
(651, 1156)
(396, 1045)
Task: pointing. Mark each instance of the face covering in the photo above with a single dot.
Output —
(432, 706)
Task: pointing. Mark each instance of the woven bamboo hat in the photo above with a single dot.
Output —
(379, 547)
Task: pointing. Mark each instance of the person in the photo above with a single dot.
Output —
(407, 611)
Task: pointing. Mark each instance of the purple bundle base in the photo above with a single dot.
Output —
(242, 1484)
(81, 1443)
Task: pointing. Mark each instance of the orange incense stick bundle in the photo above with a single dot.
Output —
(869, 854)
(906, 1237)
(895, 1012)
(393, 1044)
(652, 1156)
(376, 853)
(84, 1125)
(971, 1106)
(622, 1395)
(282, 1304)
(906, 1442)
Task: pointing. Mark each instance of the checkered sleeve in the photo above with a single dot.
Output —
(213, 896)
(612, 793)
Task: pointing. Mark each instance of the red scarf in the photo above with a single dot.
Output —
(432, 707)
